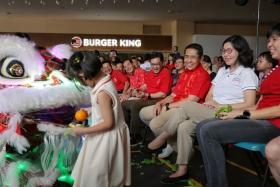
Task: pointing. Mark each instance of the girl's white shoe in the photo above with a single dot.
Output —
(166, 152)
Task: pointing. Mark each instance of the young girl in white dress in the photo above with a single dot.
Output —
(104, 159)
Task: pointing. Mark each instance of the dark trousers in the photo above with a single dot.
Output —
(131, 109)
(213, 133)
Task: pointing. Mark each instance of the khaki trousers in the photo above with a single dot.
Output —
(155, 122)
(184, 122)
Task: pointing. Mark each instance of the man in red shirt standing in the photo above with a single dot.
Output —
(157, 86)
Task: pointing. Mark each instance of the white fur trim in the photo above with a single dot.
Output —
(22, 99)
(51, 129)
(25, 52)
(46, 180)
(2, 156)
(10, 136)
(61, 51)
(12, 178)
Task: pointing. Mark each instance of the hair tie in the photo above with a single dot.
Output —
(77, 60)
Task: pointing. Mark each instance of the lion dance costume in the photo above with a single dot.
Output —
(34, 153)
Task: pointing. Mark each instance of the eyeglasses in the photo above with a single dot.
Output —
(227, 50)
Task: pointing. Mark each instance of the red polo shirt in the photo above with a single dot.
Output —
(170, 66)
(270, 91)
(192, 82)
(137, 79)
(119, 79)
(160, 82)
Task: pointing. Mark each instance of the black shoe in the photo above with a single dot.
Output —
(175, 180)
(153, 151)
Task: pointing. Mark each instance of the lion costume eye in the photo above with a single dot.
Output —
(12, 68)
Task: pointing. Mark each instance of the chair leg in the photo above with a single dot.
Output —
(253, 162)
(261, 162)
(266, 175)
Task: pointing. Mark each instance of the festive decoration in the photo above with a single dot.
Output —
(26, 103)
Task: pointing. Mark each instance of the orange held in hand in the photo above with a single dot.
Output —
(81, 115)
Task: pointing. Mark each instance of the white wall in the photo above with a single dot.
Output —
(212, 43)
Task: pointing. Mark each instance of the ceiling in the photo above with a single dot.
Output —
(189, 10)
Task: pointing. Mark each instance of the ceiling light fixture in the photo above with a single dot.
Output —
(28, 3)
(57, 2)
(11, 3)
(42, 2)
(71, 2)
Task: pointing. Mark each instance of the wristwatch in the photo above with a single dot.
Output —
(247, 114)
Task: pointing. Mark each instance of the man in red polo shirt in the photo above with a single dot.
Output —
(192, 85)
(118, 77)
(136, 78)
(157, 86)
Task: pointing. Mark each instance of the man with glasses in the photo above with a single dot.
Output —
(157, 86)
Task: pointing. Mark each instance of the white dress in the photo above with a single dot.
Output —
(104, 159)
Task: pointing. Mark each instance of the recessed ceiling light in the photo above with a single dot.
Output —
(170, 11)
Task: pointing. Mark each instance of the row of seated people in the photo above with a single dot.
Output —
(259, 122)
(236, 85)
(193, 99)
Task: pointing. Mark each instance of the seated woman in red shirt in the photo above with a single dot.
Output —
(259, 123)
(118, 77)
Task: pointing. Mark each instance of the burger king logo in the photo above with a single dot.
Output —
(76, 42)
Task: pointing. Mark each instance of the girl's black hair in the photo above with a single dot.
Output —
(85, 62)
(245, 53)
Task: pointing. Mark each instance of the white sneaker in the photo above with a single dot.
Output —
(166, 152)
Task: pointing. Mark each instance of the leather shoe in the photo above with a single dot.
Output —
(174, 180)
